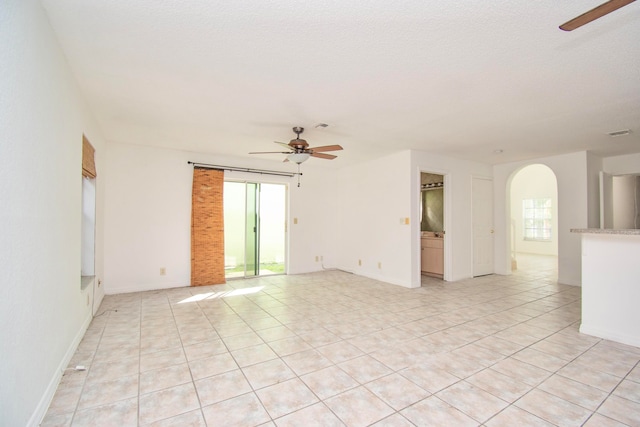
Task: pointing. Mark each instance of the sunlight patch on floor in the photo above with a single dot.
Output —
(214, 295)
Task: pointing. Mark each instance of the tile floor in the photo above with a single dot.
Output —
(333, 349)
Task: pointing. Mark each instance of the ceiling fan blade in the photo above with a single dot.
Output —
(323, 156)
(284, 145)
(270, 152)
(325, 148)
(593, 14)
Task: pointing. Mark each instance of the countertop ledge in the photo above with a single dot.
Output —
(630, 232)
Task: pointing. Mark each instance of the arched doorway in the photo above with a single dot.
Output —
(533, 225)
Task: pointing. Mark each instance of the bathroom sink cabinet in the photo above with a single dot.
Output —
(432, 256)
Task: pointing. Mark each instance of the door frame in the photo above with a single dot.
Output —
(251, 179)
(447, 222)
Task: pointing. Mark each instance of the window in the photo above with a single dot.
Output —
(87, 266)
(537, 219)
(88, 231)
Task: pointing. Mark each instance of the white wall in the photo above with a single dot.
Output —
(573, 211)
(620, 165)
(372, 198)
(342, 215)
(148, 214)
(316, 207)
(534, 182)
(43, 311)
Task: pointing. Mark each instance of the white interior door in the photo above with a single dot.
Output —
(482, 214)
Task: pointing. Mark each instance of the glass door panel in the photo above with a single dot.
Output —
(254, 229)
(234, 228)
(251, 244)
(272, 229)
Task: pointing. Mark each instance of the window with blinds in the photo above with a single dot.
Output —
(88, 160)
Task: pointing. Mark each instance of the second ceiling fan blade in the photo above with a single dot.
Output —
(325, 148)
(270, 152)
(284, 145)
(323, 156)
(595, 13)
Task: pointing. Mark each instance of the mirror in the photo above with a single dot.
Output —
(431, 202)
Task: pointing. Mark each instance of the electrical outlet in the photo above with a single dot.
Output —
(163, 271)
(379, 265)
(360, 262)
(317, 258)
(99, 282)
(295, 220)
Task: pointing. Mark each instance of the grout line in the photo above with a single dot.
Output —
(91, 364)
(193, 383)
(611, 393)
(310, 305)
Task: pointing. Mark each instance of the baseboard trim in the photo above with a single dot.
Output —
(50, 391)
(610, 335)
(127, 289)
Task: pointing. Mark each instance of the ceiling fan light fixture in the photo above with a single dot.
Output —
(298, 157)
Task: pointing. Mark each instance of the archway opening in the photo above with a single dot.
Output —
(533, 225)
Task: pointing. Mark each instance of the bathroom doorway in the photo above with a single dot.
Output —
(432, 225)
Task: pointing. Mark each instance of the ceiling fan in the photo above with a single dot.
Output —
(593, 14)
(299, 150)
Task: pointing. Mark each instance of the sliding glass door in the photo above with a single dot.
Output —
(254, 228)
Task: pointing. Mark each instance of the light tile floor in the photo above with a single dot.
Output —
(333, 349)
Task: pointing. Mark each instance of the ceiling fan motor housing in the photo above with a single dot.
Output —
(298, 144)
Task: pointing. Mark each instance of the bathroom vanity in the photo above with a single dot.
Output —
(432, 254)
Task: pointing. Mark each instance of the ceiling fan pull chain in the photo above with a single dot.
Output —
(299, 174)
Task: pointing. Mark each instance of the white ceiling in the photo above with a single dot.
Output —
(457, 78)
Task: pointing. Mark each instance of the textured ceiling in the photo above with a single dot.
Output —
(460, 79)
